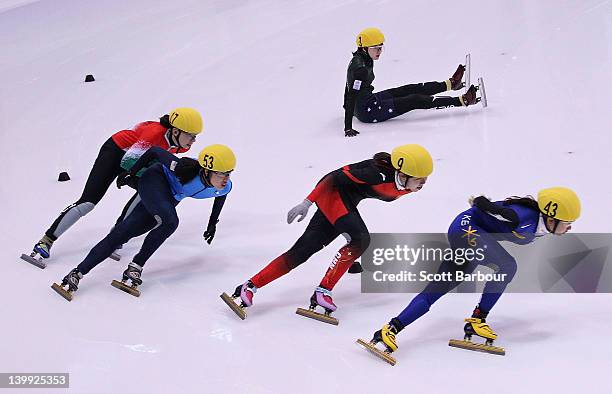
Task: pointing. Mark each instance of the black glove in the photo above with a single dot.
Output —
(126, 178)
(209, 234)
(350, 133)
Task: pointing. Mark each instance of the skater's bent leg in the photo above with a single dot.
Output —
(167, 222)
(317, 235)
(505, 268)
(104, 171)
(68, 217)
(158, 200)
(138, 223)
(419, 306)
(128, 208)
(432, 293)
(358, 241)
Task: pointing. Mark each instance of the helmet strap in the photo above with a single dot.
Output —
(557, 221)
(175, 140)
(398, 183)
(205, 177)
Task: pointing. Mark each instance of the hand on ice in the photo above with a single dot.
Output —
(350, 133)
(300, 210)
(209, 234)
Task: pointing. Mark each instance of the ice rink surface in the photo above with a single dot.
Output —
(268, 77)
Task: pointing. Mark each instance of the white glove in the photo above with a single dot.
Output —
(300, 210)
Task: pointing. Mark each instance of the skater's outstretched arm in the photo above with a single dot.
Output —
(211, 229)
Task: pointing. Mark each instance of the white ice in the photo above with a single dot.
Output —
(268, 77)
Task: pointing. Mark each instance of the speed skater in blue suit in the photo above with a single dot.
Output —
(520, 220)
(161, 187)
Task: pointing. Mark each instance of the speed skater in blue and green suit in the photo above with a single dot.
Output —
(161, 187)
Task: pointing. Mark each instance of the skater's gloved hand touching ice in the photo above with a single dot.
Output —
(126, 178)
(300, 210)
(350, 133)
(209, 234)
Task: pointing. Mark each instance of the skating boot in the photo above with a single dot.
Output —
(477, 325)
(245, 292)
(132, 273)
(456, 81)
(386, 335)
(470, 97)
(323, 298)
(71, 281)
(42, 250)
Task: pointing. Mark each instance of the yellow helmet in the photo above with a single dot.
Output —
(370, 37)
(559, 203)
(218, 158)
(413, 160)
(188, 120)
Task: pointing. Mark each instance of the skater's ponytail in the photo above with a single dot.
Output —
(165, 121)
(527, 201)
(382, 159)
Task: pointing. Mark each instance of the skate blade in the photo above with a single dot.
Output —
(317, 316)
(126, 288)
(483, 94)
(34, 261)
(233, 306)
(60, 290)
(115, 256)
(466, 74)
(477, 347)
(378, 353)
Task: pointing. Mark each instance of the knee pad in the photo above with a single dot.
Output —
(360, 242)
(170, 223)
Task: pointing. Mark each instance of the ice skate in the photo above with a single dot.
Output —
(71, 281)
(42, 250)
(474, 95)
(456, 81)
(468, 69)
(476, 325)
(386, 335)
(470, 97)
(245, 292)
(323, 298)
(483, 94)
(132, 273)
